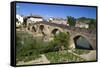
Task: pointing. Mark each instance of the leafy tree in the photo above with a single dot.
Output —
(61, 41)
(90, 21)
(71, 21)
(92, 24)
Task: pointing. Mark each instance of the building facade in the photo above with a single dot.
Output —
(19, 20)
(58, 21)
(82, 24)
(34, 19)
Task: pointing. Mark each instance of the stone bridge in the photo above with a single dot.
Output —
(50, 29)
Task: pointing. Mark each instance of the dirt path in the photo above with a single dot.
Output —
(41, 60)
(89, 56)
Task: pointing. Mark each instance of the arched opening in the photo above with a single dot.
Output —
(55, 31)
(28, 28)
(41, 28)
(33, 29)
(44, 35)
(68, 33)
(25, 22)
(82, 43)
(18, 24)
(17, 20)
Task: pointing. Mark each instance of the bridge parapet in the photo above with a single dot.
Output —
(72, 28)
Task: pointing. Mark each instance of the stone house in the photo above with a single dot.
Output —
(58, 21)
(82, 24)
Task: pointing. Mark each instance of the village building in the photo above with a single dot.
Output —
(34, 19)
(83, 24)
(19, 20)
(58, 21)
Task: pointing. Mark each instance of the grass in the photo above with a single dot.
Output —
(60, 57)
(29, 47)
(25, 49)
(81, 51)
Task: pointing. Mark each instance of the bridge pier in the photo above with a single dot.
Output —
(93, 43)
(71, 43)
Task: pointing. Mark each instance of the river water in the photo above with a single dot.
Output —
(82, 43)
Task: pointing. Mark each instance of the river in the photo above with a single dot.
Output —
(82, 43)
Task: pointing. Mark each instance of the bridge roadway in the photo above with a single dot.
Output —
(89, 32)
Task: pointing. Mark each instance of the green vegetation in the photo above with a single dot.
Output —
(64, 56)
(71, 21)
(81, 51)
(92, 24)
(61, 41)
(90, 21)
(29, 48)
(84, 19)
(25, 49)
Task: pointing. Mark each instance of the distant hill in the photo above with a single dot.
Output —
(85, 20)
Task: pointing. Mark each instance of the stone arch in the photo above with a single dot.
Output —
(55, 31)
(86, 40)
(17, 20)
(33, 28)
(68, 33)
(25, 21)
(29, 22)
(41, 27)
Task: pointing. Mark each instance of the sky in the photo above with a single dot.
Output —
(48, 11)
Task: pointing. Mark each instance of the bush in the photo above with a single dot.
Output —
(61, 41)
(29, 48)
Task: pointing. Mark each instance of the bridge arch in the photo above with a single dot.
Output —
(68, 32)
(82, 42)
(41, 27)
(33, 28)
(55, 31)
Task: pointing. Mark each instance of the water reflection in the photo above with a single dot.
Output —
(82, 43)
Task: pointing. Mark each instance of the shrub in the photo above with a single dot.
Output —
(61, 41)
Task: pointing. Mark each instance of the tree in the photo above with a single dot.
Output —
(61, 41)
(90, 21)
(71, 21)
(92, 24)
